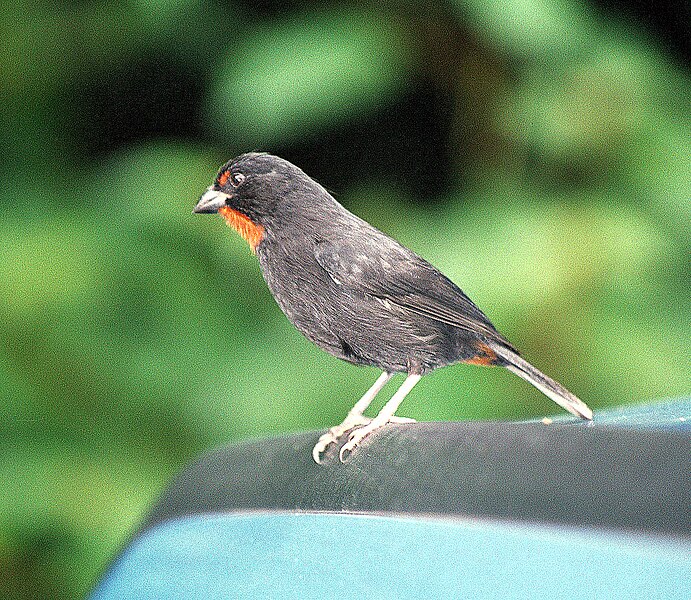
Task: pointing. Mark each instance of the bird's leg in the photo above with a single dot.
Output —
(353, 419)
(386, 415)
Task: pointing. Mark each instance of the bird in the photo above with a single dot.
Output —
(356, 292)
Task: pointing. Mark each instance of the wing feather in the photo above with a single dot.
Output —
(391, 272)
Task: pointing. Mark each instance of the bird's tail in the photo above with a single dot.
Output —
(557, 392)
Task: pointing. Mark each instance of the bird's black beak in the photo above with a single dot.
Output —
(211, 201)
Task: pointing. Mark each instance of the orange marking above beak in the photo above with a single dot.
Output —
(248, 229)
(223, 178)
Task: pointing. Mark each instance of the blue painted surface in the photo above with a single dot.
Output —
(661, 414)
(283, 555)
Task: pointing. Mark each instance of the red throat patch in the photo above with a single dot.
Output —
(247, 228)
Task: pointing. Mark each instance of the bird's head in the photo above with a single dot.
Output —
(258, 192)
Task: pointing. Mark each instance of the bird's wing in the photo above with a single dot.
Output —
(391, 272)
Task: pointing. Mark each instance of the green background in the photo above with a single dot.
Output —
(135, 335)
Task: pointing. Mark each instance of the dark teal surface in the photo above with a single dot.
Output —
(328, 556)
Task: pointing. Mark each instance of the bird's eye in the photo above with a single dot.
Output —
(236, 179)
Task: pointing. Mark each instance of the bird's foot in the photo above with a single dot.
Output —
(334, 434)
(361, 433)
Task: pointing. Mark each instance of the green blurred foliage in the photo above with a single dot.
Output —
(333, 63)
(135, 335)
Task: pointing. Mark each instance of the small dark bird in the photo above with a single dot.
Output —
(357, 293)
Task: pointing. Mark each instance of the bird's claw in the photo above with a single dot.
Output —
(360, 434)
(365, 427)
(321, 445)
(335, 433)
(352, 443)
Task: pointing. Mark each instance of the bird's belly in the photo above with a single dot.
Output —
(359, 328)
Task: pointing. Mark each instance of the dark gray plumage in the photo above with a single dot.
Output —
(354, 291)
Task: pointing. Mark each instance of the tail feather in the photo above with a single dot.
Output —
(550, 388)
